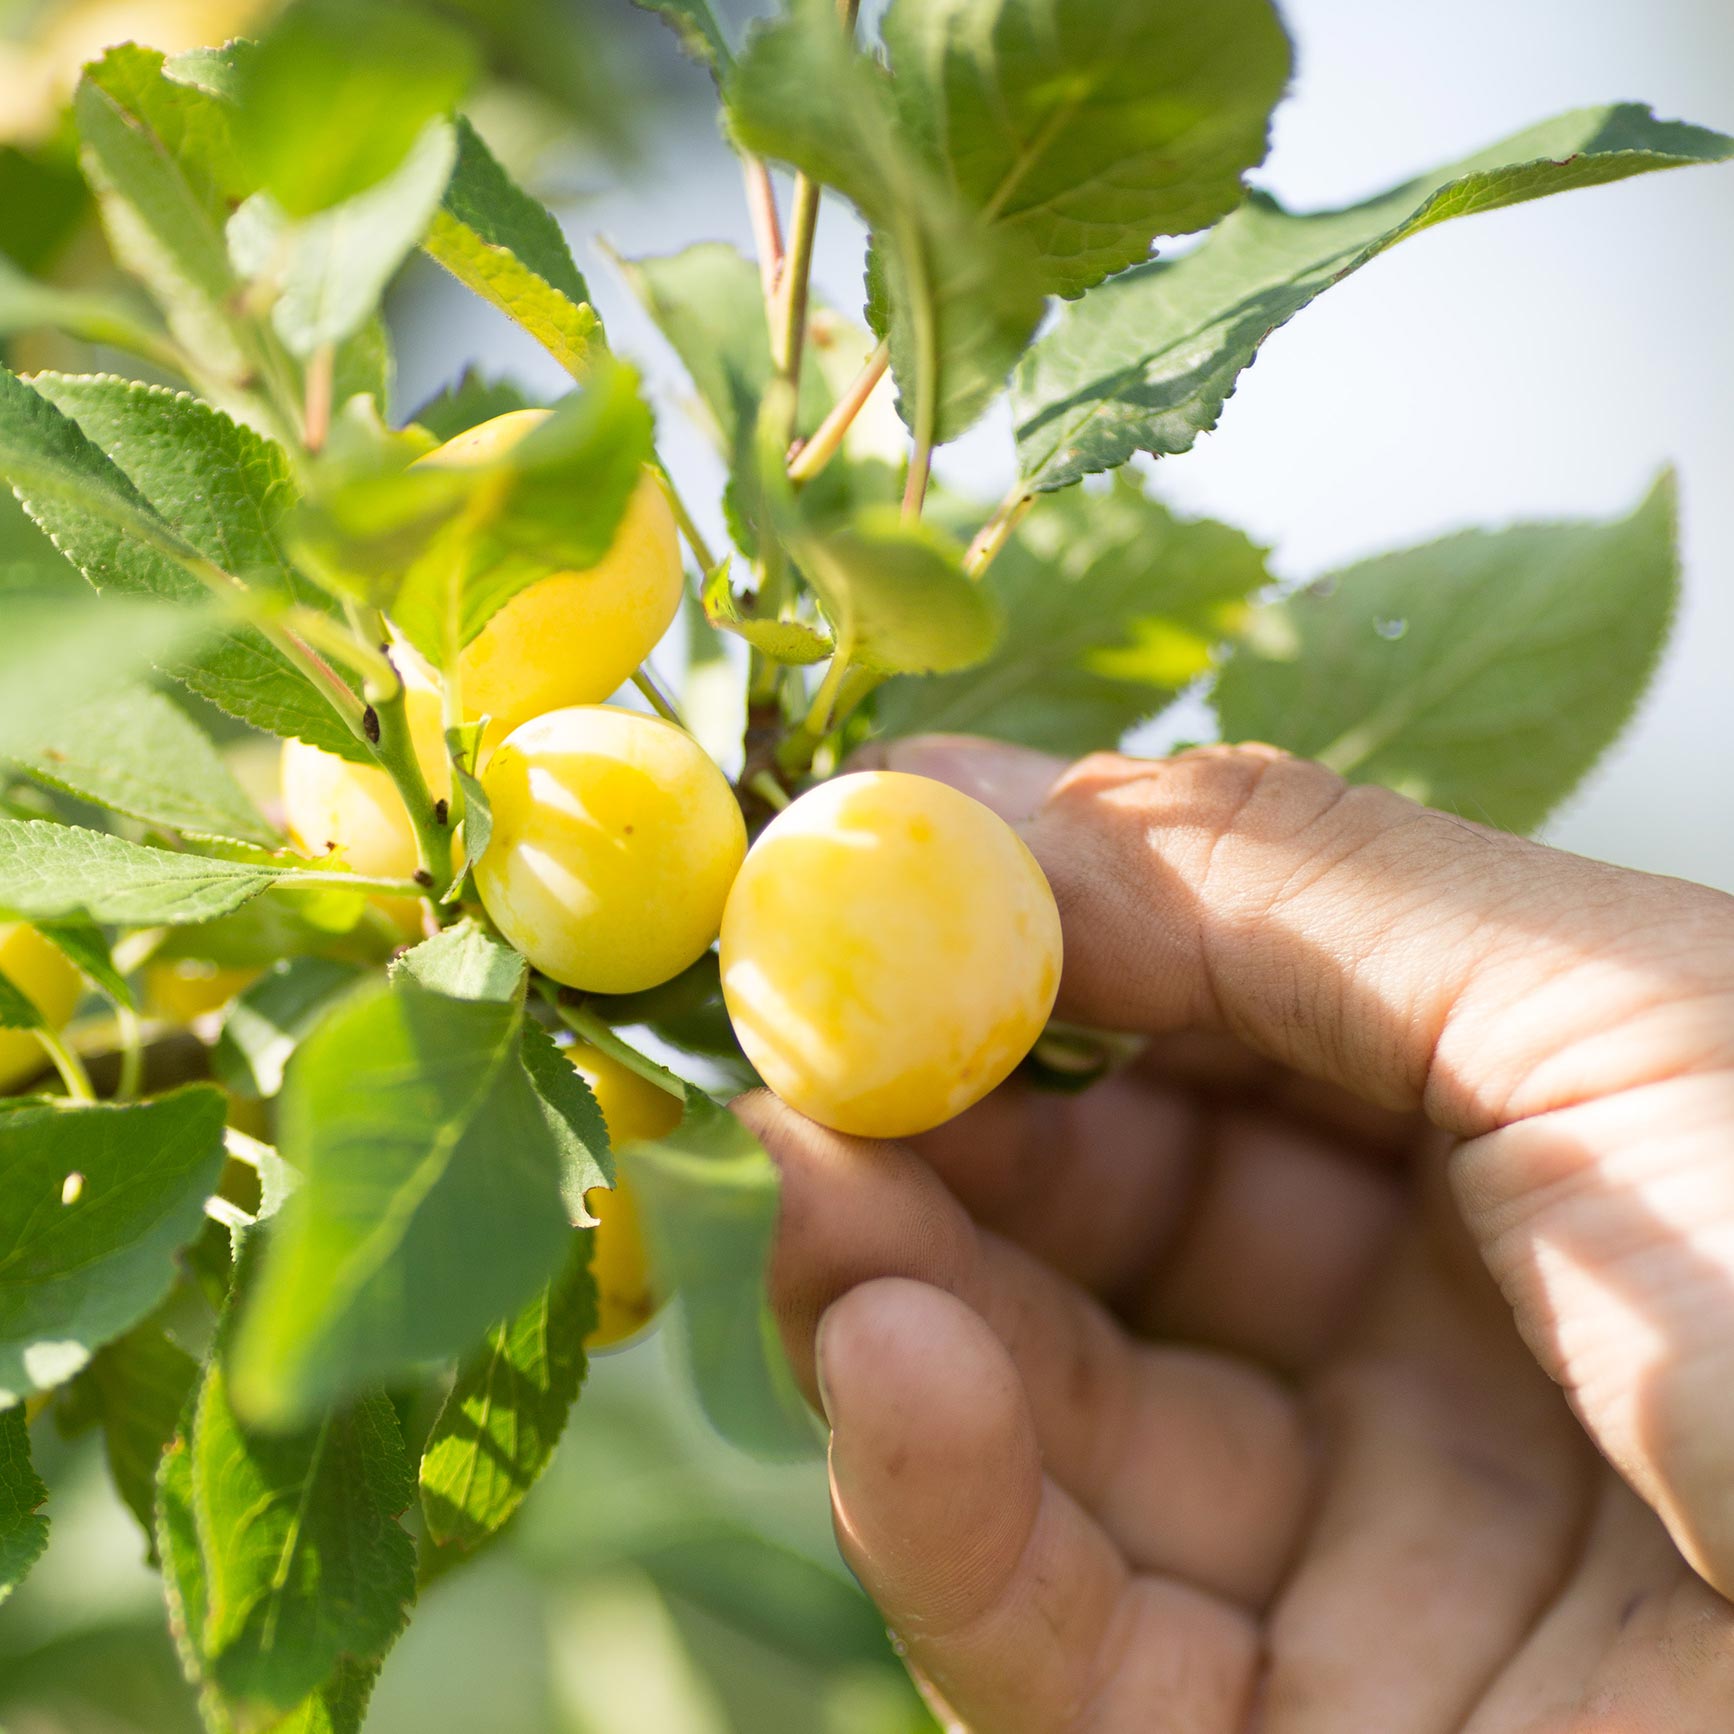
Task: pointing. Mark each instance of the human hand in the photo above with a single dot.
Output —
(1189, 1403)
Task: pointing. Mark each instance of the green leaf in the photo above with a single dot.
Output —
(87, 948)
(506, 1411)
(336, 94)
(1091, 127)
(60, 652)
(23, 1528)
(18, 1011)
(695, 23)
(89, 315)
(305, 1563)
(574, 1122)
(135, 482)
(465, 961)
(552, 502)
(956, 298)
(472, 400)
(430, 1205)
(1111, 606)
(159, 155)
(136, 752)
(786, 641)
(49, 871)
(710, 1197)
(136, 1389)
(708, 302)
(1484, 674)
(326, 273)
(75, 1275)
(270, 1018)
(1146, 361)
(505, 247)
(896, 594)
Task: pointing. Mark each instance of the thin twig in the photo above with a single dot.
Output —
(684, 519)
(67, 1064)
(659, 701)
(767, 227)
(828, 437)
(997, 531)
(915, 489)
(316, 418)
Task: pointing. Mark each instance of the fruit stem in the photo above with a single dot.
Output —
(394, 749)
(767, 230)
(915, 489)
(683, 518)
(828, 437)
(789, 307)
(131, 1055)
(769, 790)
(992, 537)
(67, 1064)
(658, 700)
(599, 1034)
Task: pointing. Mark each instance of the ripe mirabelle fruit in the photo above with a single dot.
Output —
(332, 803)
(615, 842)
(571, 637)
(41, 972)
(890, 951)
(186, 990)
(634, 1109)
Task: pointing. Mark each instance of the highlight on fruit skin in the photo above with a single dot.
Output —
(615, 840)
(45, 976)
(890, 952)
(572, 637)
(634, 1109)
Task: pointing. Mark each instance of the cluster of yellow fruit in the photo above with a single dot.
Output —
(889, 948)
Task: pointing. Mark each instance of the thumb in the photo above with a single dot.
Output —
(1572, 1022)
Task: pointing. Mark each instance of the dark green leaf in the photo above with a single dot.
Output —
(896, 594)
(500, 243)
(137, 1389)
(18, 1011)
(136, 752)
(23, 1528)
(508, 1408)
(430, 1205)
(326, 273)
(574, 1121)
(465, 961)
(710, 1196)
(159, 154)
(1094, 126)
(305, 1563)
(1483, 674)
(957, 298)
(1111, 606)
(473, 400)
(336, 94)
(1146, 361)
(269, 1019)
(74, 1275)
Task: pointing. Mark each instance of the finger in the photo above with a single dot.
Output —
(1014, 1606)
(1196, 1465)
(1225, 1229)
(1629, 1574)
(1406, 955)
(1282, 1243)
(1583, 1014)
(1454, 1496)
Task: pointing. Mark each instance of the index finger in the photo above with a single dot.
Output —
(1410, 956)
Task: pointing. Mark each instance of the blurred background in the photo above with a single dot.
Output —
(1540, 362)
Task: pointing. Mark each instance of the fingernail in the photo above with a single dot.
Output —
(1012, 780)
